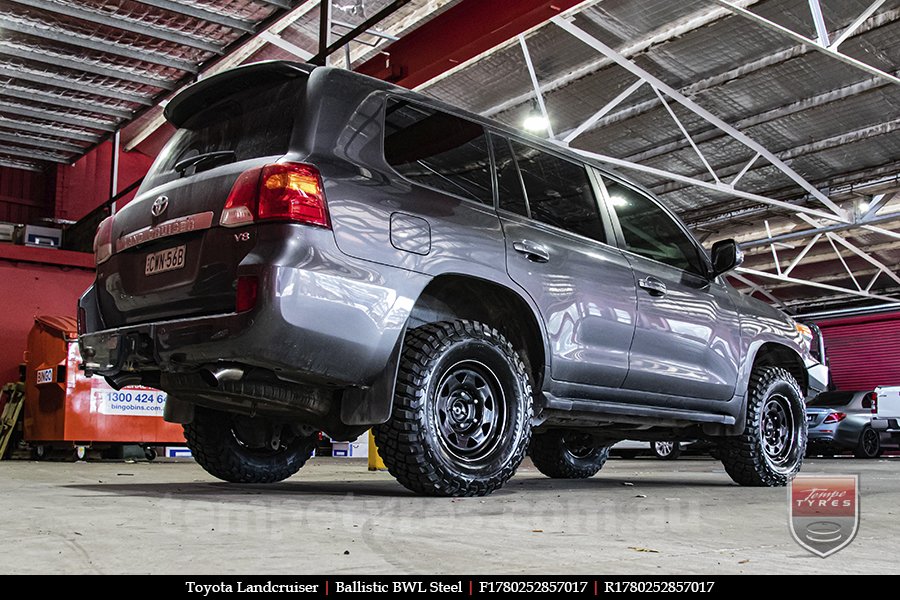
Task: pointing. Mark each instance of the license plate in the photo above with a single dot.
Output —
(164, 260)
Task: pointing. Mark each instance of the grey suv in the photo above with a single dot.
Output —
(315, 250)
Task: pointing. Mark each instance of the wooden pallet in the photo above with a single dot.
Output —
(15, 393)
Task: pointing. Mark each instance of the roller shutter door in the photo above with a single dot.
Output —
(863, 352)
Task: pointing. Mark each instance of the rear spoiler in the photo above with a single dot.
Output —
(206, 92)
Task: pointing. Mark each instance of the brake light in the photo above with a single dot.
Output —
(247, 290)
(103, 241)
(873, 398)
(277, 192)
(835, 417)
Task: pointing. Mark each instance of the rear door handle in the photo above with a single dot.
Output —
(654, 286)
(533, 252)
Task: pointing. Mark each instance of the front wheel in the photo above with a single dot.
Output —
(462, 411)
(667, 450)
(243, 449)
(869, 445)
(770, 450)
(567, 454)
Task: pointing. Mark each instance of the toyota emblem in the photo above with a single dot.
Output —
(159, 206)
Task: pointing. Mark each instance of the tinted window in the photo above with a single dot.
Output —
(650, 231)
(509, 185)
(251, 123)
(559, 192)
(833, 399)
(438, 150)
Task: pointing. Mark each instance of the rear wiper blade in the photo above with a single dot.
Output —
(200, 159)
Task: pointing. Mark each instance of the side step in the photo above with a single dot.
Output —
(631, 413)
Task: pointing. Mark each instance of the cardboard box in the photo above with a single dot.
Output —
(358, 448)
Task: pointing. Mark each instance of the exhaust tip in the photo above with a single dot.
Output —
(215, 376)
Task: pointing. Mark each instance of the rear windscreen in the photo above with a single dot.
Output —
(254, 122)
(833, 399)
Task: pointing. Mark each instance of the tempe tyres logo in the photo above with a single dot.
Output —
(824, 512)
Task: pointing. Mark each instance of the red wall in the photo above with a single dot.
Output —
(23, 196)
(863, 352)
(85, 185)
(36, 281)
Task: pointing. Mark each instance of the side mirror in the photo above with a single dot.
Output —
(726, 256)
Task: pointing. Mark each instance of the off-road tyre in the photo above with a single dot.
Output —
(752, 458)
(567, 454)
(214, 443)
(438, 442)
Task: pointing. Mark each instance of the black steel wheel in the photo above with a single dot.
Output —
(666, 450)
(770, 450)
(869, 445)
(461, 420)
(243, 449)
(564, 454)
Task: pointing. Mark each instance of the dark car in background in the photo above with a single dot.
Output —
(842, 421)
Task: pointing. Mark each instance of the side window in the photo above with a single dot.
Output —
(438, 150)
(650, 231)
(559, 192)
(509, 185)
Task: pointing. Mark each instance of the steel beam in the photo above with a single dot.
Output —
(457, 35)
(13, 164)
(603, 111)
(64, 62)
(40, 142)
(815, 284)
(667, 33)
(280, 42)
(805, 233)
(108, 20)
(876, 204)
(64, 36)
(771, 25)
(672, 93)
(46, 115)
(42, 97)
(197, 12)
(716, 187)
(55, 131)
(819, 21)
(68, 84)
(14, 152)
(851, 29)
(536, 86)
(863, 255)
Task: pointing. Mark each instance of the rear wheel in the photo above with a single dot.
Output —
(869, 445)
(667, 450)
(567, 454)
(243, 449)
(770, 450)
(462, 412)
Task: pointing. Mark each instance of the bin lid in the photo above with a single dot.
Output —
(66, 326)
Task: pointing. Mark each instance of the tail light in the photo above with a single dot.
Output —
(277, 192)
(835, 417)
(873, 398)
(103, 241)
(247, 290)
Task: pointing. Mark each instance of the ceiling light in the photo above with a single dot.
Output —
(535, 122)
(618, 201)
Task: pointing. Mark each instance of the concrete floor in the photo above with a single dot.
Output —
(637, 516)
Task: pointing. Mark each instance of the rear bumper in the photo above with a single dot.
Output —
(320, 317)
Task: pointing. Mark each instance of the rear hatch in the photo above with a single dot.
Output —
(171, 258)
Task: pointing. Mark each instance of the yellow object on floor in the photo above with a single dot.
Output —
(375, 462)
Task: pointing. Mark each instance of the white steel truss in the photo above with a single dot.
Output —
(831, 217)
(821, 45)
